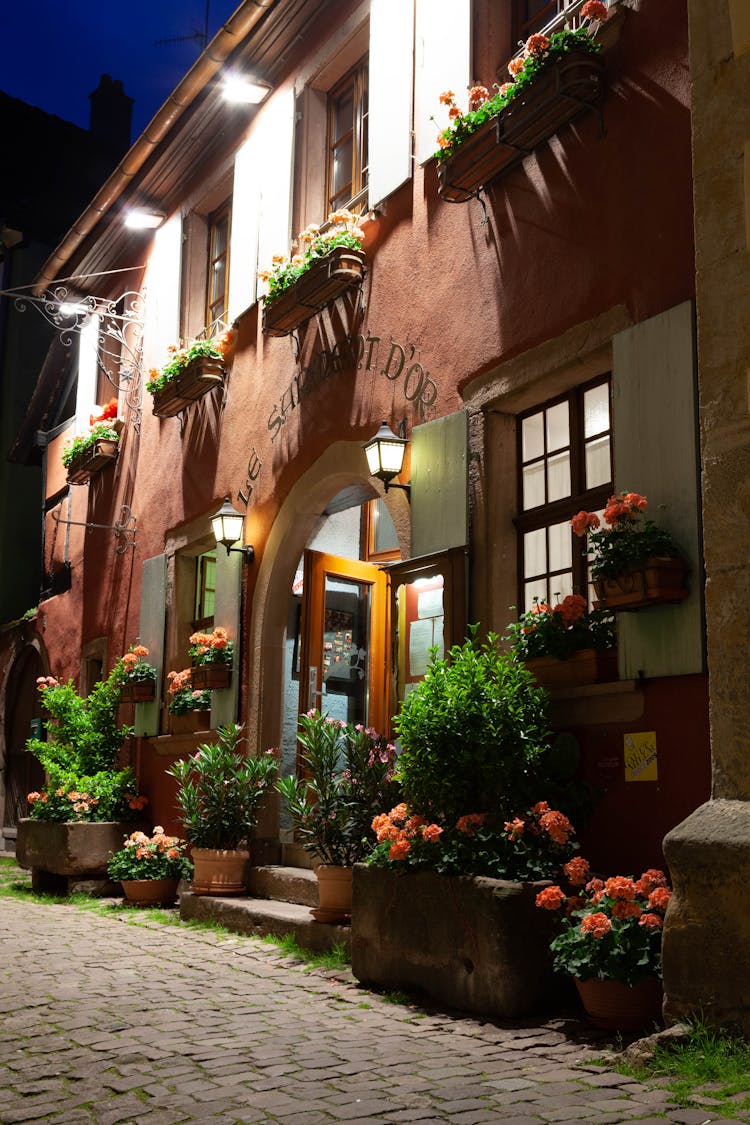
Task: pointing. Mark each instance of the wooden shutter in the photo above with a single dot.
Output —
(243, 256)
(439, 485)
(151, 634)
(390, 93)
(227, 614)
(275, 144)
(163, 278)
(443, 62)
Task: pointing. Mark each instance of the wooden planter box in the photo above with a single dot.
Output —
(587, 666)
(71, 856)
(481, 945)
(559, 94)
(659, 582)
(326, 280)
(211, 677)
(199, 377)
(191, 722)
(139, 691)
(81, 469)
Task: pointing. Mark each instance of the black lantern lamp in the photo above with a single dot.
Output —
(385, 457)
(227, 527)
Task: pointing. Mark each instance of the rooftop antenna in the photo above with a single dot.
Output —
(195, 36)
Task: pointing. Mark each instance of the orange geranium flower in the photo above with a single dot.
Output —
(577, 871)
(620, 887)
(551, 898)
(651, 921)
(596, 924)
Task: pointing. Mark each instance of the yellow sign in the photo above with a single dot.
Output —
(640, 756)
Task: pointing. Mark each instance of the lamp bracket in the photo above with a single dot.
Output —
(124, 529)
(248, 552)
(404, 488)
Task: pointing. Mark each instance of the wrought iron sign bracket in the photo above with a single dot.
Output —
(125, 528)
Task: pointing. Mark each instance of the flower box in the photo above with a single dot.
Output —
(560, 93)
(587, 666)
(211, 677)
(190, 722)
(472, 943)
(322, 283)
(82, 468)
(196, 379)
(138, 691)
(658, 582)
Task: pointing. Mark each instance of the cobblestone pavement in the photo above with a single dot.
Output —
(105, 1021)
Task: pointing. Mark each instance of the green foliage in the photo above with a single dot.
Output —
(473, 735)
(84, 443)
(104, 796)
(611, 929)
(561, 43)
(346, 778)
(84, 737)
(179, 360)
(627, 541)
(157, 857)
(561, 630)
(220, 790)
(287, 272)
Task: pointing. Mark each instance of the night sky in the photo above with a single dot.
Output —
(54, 53)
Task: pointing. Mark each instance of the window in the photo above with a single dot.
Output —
(347, 137)
(205, 589)
(530, 16)
(565, 465)
(218, 265)
(380, 539)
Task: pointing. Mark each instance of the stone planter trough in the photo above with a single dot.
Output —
(477, 944)
(70, 857)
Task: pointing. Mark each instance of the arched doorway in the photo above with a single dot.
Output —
(23, 772)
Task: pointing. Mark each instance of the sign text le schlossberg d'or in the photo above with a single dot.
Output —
(392, 361)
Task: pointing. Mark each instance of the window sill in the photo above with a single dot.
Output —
(620, 701)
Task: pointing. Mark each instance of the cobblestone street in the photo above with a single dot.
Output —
(109, 1021)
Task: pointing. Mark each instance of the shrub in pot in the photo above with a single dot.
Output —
(346, 777)
(219, 793)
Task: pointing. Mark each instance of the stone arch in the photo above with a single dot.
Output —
(21, 772)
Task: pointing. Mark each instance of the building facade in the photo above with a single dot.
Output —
(535, 344)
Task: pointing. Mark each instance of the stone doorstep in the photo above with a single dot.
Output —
(284, 884)
(265, 916)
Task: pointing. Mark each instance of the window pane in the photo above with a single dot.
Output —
(533, 485)
(560, 546)
(596, 410)
(534, 552)
(597, 462)
(561, 585)
(558, 427)
(384, 533)
(558, 476)
(533, 590)
(532, 436)
(342, 166)
(343, 116)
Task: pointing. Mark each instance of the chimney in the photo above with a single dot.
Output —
(111, 115)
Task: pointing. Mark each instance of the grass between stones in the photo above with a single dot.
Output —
(16, 883)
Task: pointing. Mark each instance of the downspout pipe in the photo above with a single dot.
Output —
(231, 34)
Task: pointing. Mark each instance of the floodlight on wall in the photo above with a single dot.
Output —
(139, 218)
(385, 457)
(227, 526)
(240, 89)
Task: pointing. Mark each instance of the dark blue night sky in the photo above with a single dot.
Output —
(53, 53)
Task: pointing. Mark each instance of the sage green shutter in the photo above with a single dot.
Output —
(439, 485)
(151, 634)
(656, 454)
(227, 614)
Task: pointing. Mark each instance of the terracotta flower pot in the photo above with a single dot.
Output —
(587, 666)
(334, 894)
(150, 892)
(211, 677)
(620, 1007)
(657, 582)
(219, 871)
(199, 377)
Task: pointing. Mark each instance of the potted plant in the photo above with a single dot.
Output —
(211, 655)
(87, 803)
(555, 79)
(139, 683)
(345, 778)
(89, 453)
(328, 263)
(609, 942)
(219, 793)
(446, 904)
(187, 705)
(566, 644)
(150, 868)
(634, 563)
(190, 372)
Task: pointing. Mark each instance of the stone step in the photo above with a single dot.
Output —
(284, 884)
(261, 916)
